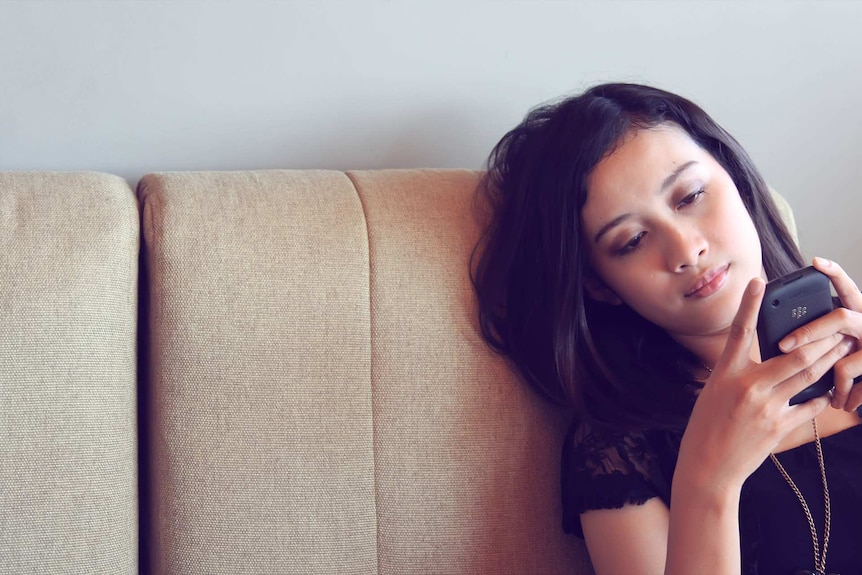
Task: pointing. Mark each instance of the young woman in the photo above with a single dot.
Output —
(621, 272)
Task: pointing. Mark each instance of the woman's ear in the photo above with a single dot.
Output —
(597, 290)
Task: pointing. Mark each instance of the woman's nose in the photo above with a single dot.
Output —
(685, 248)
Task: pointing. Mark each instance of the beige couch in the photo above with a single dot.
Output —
(261, 372)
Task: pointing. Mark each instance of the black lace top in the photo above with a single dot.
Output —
(609, 471)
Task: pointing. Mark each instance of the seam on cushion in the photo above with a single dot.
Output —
(144, 413)
(352, 178)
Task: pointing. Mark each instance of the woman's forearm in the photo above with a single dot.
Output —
(703, 535)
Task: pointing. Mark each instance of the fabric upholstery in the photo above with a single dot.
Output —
(68, 312)
(259, 395)
(467, 457)
(320, 399)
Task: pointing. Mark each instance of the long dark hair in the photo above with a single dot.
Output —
(616, 369)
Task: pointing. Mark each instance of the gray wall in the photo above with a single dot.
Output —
(132, 87)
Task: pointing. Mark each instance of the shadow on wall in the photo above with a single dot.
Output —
(445, 137)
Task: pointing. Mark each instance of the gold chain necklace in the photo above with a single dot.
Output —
(819, 559)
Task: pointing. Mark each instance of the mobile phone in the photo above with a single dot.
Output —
(790, 302)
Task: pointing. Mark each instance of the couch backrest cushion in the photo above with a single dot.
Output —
(467, 458)
(259, 390)
(320, 399)
(68, 313)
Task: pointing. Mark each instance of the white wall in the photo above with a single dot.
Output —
(132, 87)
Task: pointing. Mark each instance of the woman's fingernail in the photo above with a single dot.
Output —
(787, 344)
(822, 261)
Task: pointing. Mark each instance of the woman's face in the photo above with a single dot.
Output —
(668, 233)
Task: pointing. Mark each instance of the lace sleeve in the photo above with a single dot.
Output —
(606, 471)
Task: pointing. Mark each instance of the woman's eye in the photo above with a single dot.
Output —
(632, 244)
(692, 198)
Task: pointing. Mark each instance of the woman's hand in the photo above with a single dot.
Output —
(743, 410)
(846, 321)
(740, 416)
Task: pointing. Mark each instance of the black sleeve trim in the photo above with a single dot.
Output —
(611, 491)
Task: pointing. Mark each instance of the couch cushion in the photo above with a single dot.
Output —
(68, 312)
(259, 394)
(467, 458)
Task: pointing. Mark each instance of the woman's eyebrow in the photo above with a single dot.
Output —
(674, 176)
(666, 183)
(609, 226)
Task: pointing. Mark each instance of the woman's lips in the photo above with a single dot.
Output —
(709, 283)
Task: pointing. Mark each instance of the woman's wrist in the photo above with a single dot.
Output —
(695, 485)
(703, 535)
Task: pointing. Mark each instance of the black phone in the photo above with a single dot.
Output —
(790, 302)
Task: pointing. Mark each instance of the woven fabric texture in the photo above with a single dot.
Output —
(68, 312)
(320, 399)
(467, 457)
(259, 395)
